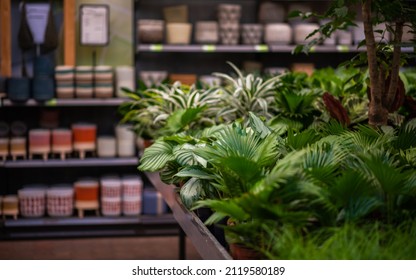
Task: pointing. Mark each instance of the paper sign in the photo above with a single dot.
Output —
(94, 29)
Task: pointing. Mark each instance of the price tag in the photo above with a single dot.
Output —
(343, 48)
(52, 102)
(156, 48)
(209, 48)
(262, 48)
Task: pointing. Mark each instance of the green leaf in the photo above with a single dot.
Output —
(156, 156)
(191, 191)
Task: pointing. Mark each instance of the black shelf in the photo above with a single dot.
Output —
(205, 243)
(74, 102)
(86, 162)
(71, 227)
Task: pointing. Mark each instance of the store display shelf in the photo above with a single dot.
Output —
(56, 102)
(144, 225)
(128, 161)
(251, 48)
(205, 243)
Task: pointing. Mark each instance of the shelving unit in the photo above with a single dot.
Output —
(96, 162)
(56, 102)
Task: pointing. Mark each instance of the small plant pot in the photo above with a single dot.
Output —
(302, 7)
(176, 14)
(132, 186)
(39, 142)
(229, 33)
(43, 88)
(18, 129)
(32, 201)
(270, 12)
(408, 36)
(111, 206)
(302, 31)
(274, 71)
(18, 89)
(43, 66)
(106, 146)
(65, 90)
(210, 81)
(278, 34)
(84, 73)
(103, 74)
(332, 40)
(206, 32)
(62, 142)
(125, 78)
(18, 147)
(4, 148)
(60, 200)
(110, 186)
(64, 73)
(241, 252)
(229, 12)
(132, 205)
(153, 203)
(179, 33)
(185, 79)
(150, 31)
(252, 66)
(103, 90)
(86, 195)
(358, 32)
(11, 206)
(344, 37)
(251, 33)
(85, 136)
(4, 129)
(307, 68)
(84, 90)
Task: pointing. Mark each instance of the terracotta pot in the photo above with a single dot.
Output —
(178, 33)
(61, 140)
(241, 252)
(86, 190)
(11, 205)
(84, 135)
(39, 141)
(186, 79)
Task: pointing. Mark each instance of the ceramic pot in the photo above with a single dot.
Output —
(106, 146)
(150, 31)
(32, 201)
(176, 14)
(278, 33)
(84, 136)
(241, 252)
(86, 190)
(252, 66)
(4, 148)
(185, 79)
(18, 89)
(11, 205)
(60, 200)
(302, 30)
(65, 90)
(64, 73)
(251, 33)
(103, 74)
(125, 78)
(84, 73)
(84, 90)
(206, 32)
(344, 37)
(18, 147)
(153, 203)
(307, 68)
(132, 205)
(274, 71)
(43, 66)
(39, 142)
(103, 90)
(332, 40)
(270, 12)
(61, 141)
(111, 206)
(110, 186)
(126, 148)
(210, 81)
(229, 33)
(229, 12)
(132, 186)
(178, 33)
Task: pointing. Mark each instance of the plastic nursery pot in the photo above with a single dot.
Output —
(18, 89)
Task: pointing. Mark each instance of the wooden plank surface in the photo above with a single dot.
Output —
(69, 32)
(5, 39)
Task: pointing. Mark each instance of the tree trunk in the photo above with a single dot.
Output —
(377, 114)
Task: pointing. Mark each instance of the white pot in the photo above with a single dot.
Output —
(302, 30)
(206, 32)
(132, 186)
(358, 32)
(278, 33)
(111, 206)
(178, 33)
(209, 80)
(344, 37)
(125, 78)
(60, 200)
(126, 148)
(132, 205)
(153, 78)
(110, 186)
(106, 146)
(64, 73)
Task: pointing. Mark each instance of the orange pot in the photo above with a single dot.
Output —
(86, 190)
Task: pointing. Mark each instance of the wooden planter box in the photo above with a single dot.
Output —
(205, 243)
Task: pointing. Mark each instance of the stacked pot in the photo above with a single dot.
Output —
(65, 83)
(86, 195)
(32, 200)
(132, 188)
(229, 16)
(110, 195)
(178, 28)
(60, 200)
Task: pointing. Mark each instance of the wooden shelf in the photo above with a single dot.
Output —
(205, 243)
